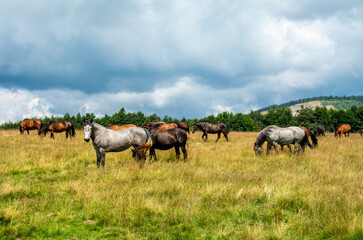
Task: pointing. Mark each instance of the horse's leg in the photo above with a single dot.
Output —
(276, 147)
(177, 152)
(219, 136)
(297, 148)
(27, 131)
(288, 145)
(204, 136)
(98, 158)
(282, 148)
(184, 152)
(226, 135)
(103, 159)
(66, 134)
(269, 145)
(52, 135)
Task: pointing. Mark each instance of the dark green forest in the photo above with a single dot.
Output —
(254, 121)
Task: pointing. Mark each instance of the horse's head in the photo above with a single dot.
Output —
(258, 149)
(195, 127)
(43, 131)
(87, 128)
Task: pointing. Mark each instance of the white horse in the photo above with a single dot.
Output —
(275, 136)
(106, 140)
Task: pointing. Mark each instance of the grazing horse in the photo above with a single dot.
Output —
(106, 140)
(58, 127)
(309, 134)
(184, 126)
(166, 139)
(213, 128)
(319, 130)
(149, 125)
(117, 127)
(275, 135)
(343, 129)
(30, 124)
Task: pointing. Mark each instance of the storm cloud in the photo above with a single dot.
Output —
(176, 58)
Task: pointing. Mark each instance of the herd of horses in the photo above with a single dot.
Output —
(164, 136)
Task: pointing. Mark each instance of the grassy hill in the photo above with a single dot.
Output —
(337, 102)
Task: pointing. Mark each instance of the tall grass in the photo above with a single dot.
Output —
(52, 189)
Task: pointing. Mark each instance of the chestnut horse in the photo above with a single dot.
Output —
(167, 139)
(149, 125)
(165, 126)
(213, 128)
(184, 126)
(117, 127)
(58, 127)
(343, 129)
(30, 124)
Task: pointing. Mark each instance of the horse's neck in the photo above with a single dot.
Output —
(96, 129)
(261, 138)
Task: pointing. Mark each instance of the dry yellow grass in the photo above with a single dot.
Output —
(53, 189)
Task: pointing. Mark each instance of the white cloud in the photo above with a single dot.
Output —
(19, 104)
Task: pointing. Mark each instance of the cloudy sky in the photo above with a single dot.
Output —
(176, 58)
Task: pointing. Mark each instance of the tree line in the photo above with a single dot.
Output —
(253, 121)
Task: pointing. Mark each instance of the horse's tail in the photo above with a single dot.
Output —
(72, 129)
(305, 141)
(313, 139)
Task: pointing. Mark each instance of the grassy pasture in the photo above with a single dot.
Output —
(52, 189)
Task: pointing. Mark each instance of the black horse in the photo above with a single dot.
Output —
(213, 128)
(166, 139)
(319, 130)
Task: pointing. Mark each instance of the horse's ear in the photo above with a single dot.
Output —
(84, 120)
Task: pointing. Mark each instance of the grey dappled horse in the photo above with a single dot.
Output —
(107, 140)
(275, 136)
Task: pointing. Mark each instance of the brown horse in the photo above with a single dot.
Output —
(58, 127)
(343, 129)
(213, 128)
(184, 126)
(117, 127)
(30, 124)
(166, 139)
(165, 126)
(149, 125)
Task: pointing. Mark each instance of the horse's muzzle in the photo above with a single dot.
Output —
(86, 139)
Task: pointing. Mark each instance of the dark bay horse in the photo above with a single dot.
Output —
(213, 128)
(106, 140)
(57, 127)
(117, 127)
(319, 130)
(275, 135)
(30, 124)
(184, 126)
(343, 129)
(167, 139)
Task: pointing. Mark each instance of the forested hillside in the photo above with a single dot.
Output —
(344, 102)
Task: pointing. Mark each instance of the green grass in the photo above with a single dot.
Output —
(52, 189)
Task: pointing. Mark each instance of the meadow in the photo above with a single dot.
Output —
(52, 189)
